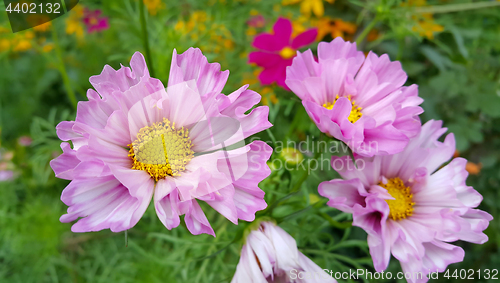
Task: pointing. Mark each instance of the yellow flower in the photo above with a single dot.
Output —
(40, 23)
(251, 78)
(74, 27)
(228, 44)
(153, 6)
(268, 96)
(427, 28)
(22, 45)
(335, 27)
(43, 27)
(309, 6)
(4, 44)
(301, 24)
(199, 16)
(254, 12)
(74, 21)
(251, 31)
(424, 25)
(48, 47)
(180, 25)
(29, 34)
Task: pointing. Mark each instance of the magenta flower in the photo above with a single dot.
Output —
(278, 50)
(94, 21)
(409, 206)
(270, 255)
(359, 101)
(133, 140)
(256, 21)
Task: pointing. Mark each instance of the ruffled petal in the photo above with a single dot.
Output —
(343, 194)
(111, 80)
(193, 65)
(103, 203)
(196, 221)
(64, 164)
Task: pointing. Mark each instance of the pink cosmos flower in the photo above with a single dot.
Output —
(409, 205)
(360, 101)
(6, 174)
(94, 21)
(270, 255)
(278, 50)
(133, 140)
(257, 21)
(25, 140)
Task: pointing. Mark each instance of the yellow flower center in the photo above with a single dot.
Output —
(402, 206)
(355, 110)
(287, 53)
(161, 150)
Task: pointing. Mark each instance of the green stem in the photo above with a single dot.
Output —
(62, 70)
(455, 7)
(367, 30)
(295, 189)
(333, 222)
(145, 39)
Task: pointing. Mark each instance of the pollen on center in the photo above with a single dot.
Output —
(355, 109)
(287, 53)
(402, 206)
(161, 150)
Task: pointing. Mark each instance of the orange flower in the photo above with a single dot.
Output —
(473, 168)
(335, 27)
(373, 35)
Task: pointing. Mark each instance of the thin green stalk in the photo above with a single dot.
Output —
(366, 31)
(62, 70)
(145, 39)
(439, 9)
(333, 222)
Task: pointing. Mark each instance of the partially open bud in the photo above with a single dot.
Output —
(292, 156)
(271, 255)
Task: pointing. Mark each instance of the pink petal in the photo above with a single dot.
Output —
(103, 203)
(193, 65)
(64, 164)
(196, 221)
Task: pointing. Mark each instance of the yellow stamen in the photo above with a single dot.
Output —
(402, 206)
(355, 110)
(161, 150)
(287, 53)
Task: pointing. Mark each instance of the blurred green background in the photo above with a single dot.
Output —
(450, 48)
